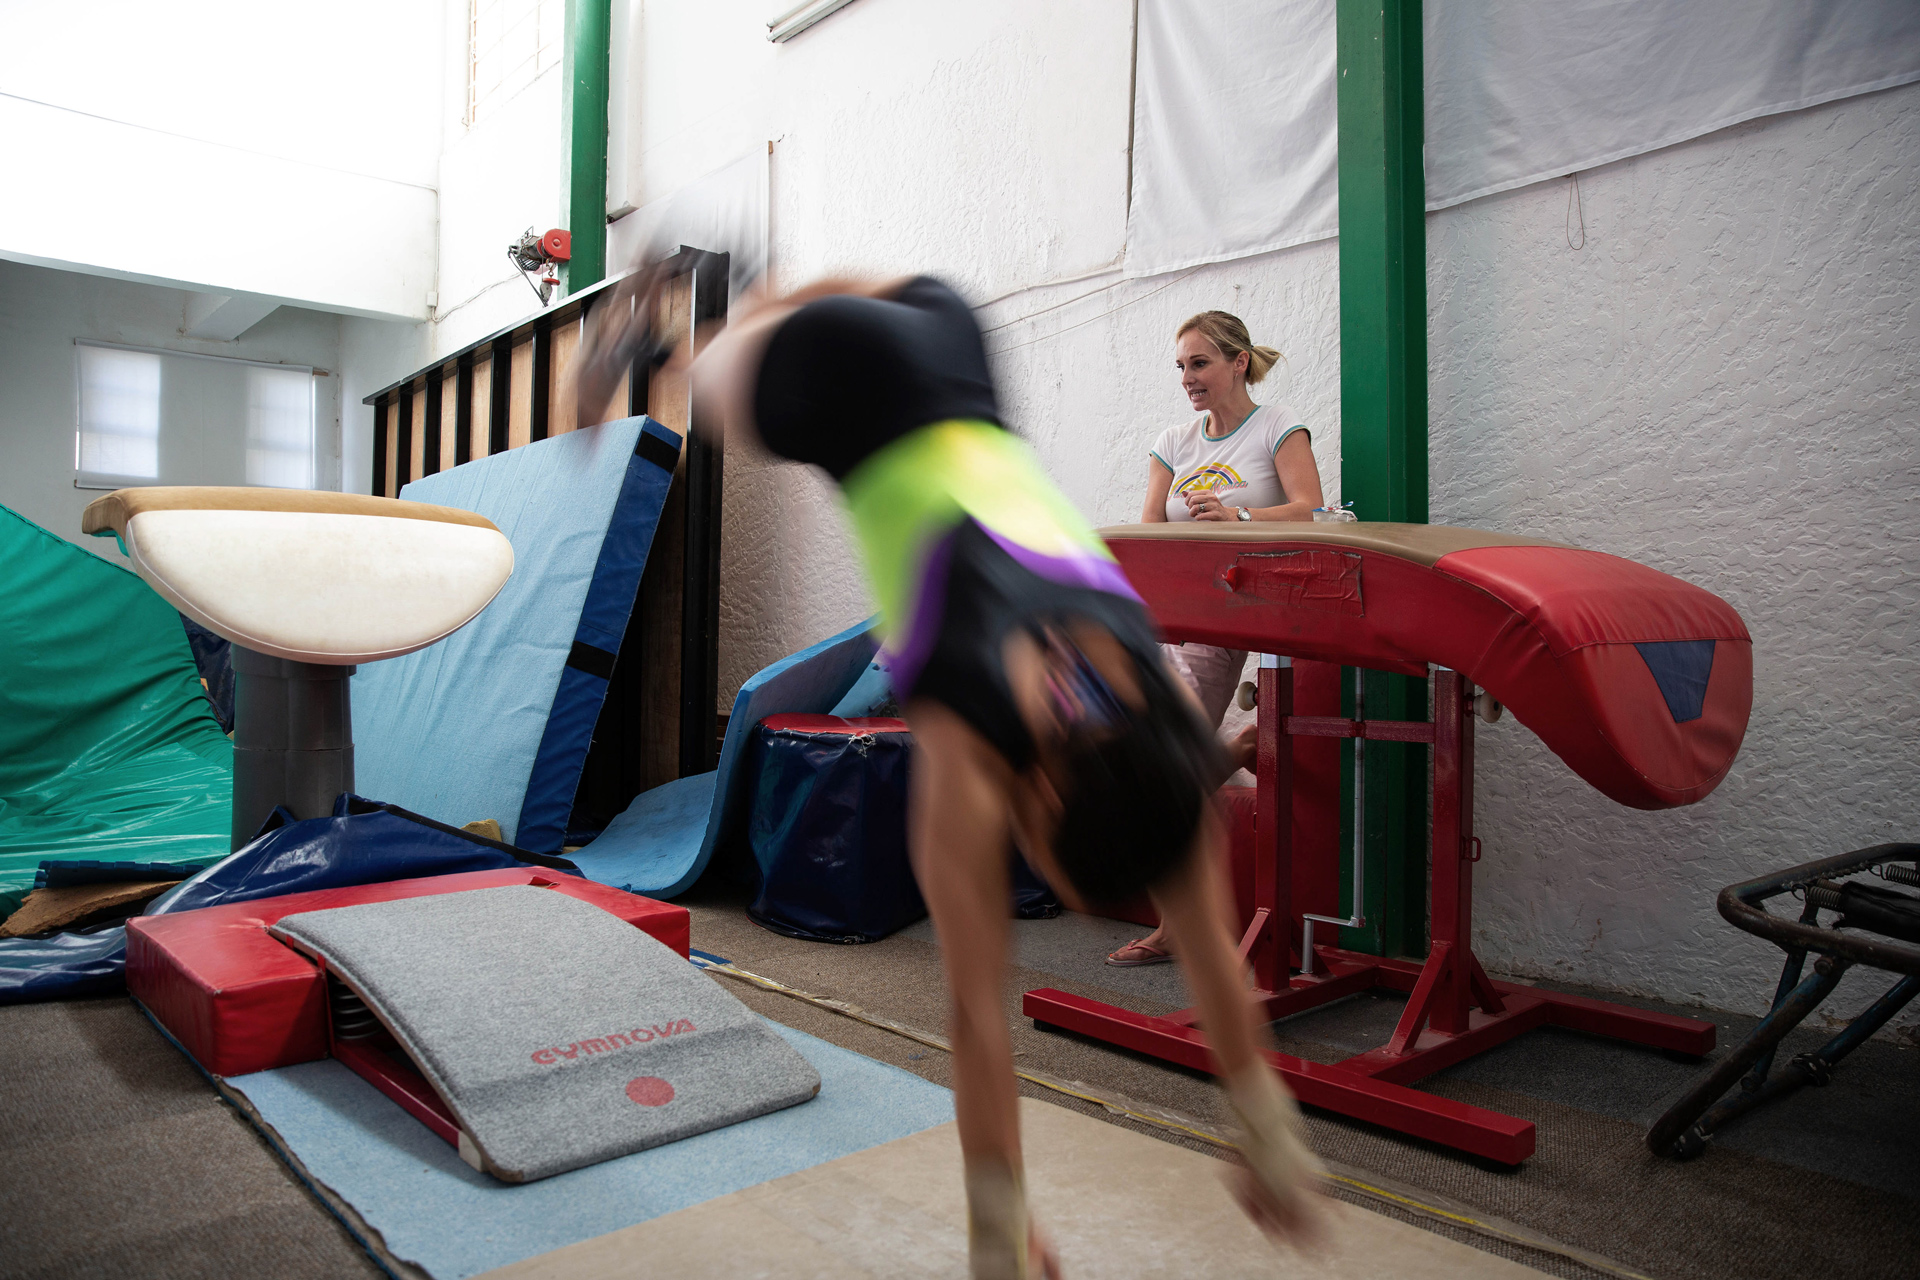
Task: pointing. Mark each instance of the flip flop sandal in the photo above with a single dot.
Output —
(1137, 953)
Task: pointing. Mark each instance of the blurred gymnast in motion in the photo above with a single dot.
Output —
(1042, 709)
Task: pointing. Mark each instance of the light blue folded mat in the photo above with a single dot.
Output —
(495, 720)
(668, 835)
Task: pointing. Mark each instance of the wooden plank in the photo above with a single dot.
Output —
(390, 475)
(622, 394)
(417, 442)
(449, 418)
(561, 392)
(500, 399)
(520, 394)
(482, 397)
(667, 390)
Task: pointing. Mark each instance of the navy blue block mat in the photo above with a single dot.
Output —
(667, 836)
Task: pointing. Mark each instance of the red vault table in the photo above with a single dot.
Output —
(239, 1000)
(1639, 682)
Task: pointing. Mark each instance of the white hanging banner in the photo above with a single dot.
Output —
(1234, 115)
(1233, 131)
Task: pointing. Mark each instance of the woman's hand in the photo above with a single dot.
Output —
(1208, 506)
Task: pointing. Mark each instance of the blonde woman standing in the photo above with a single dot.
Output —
(1238, 461)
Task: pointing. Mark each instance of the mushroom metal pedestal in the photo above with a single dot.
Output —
(292, 739)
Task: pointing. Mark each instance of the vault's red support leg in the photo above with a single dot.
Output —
(1507, 1139)
(1268, 948)
(1435, 976)
(1452, 920)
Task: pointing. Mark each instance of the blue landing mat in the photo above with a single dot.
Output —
(666, 837)
(435, 1212)
(495, 720)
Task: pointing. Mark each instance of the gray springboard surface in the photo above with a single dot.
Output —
(557, 1033)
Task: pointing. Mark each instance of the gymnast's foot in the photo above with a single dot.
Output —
(1002, 1242)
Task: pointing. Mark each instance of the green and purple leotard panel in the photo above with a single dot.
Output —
(911, 496)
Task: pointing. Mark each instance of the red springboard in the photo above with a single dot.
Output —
(240, 1001)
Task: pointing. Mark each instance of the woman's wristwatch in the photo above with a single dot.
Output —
(1241, 513)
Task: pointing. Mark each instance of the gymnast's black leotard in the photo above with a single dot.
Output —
(964, 537)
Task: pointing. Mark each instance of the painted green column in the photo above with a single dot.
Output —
(583, 115)
(1383, 415)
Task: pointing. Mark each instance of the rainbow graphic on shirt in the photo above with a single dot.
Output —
(1213, 476)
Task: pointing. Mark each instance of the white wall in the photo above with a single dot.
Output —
(494, 179)
(1720, 384)
(41, 313)
(283, 150)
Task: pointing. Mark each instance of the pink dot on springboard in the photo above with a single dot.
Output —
(650, 1091)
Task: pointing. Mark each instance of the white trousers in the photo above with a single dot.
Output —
(1213, 675)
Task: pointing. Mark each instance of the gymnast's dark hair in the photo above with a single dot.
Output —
(1133, 793)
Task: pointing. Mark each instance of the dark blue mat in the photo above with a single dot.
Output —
(668, 835)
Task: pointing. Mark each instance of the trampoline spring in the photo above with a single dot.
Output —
(1899, 873)
(352, 1020)
(1824, 895)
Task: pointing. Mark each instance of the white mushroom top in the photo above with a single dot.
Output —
(328, 578)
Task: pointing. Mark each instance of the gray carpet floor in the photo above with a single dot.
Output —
(117, 1158)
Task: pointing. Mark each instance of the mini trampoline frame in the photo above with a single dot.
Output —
(1708, 1107)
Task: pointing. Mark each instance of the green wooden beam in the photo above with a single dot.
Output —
(583, 115)
(1383, 414)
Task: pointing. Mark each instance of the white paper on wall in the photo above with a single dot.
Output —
(724, 212)
(1233, 131)
(1234, 110)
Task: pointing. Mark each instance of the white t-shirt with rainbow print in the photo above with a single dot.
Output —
(1238, 466)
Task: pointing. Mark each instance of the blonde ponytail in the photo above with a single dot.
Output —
(1228, 333)
(1260, 362)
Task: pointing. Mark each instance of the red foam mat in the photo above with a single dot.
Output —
(239, 1001)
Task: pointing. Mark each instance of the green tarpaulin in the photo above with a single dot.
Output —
(108, 750)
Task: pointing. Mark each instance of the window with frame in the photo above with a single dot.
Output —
(118, 442)
(145, 416)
